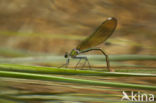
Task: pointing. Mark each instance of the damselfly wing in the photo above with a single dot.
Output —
(102, 33)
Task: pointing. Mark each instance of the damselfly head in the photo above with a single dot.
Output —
(66, 55)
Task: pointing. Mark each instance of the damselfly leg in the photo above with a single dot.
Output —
(66, 64)
(84, 58)
(106, 56)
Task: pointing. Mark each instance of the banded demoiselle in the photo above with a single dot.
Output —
(101, 34)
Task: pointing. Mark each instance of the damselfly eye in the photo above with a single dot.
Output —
(66, 55)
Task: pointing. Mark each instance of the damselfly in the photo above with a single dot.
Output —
(102, 33)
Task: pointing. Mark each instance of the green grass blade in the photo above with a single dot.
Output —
(54, 70)
(50, 58)
(72, 80)
(95, 59)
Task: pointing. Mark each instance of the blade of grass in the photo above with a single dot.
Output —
(91, 57)
(55, 98)
(72, 80)
(54, 70)
(95, 59)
